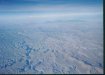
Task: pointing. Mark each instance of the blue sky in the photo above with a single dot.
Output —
(27, 6)
(51, 9)
(35, 2)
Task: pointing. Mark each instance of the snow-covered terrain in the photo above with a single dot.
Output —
(69, 47)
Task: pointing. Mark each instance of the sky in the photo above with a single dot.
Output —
(51, 9)
(39, 6)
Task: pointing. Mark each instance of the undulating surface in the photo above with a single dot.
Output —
(54, 41)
